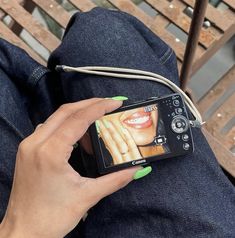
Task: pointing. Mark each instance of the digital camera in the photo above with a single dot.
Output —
(141, 133)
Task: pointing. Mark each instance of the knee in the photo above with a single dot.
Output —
(99, 23)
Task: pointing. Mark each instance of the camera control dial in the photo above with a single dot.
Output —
(179, 124)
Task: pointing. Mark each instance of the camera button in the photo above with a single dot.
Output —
(186, 146)
(176, 103)
(185, 137)
(179, 124)
(160, 140)
(178, 110)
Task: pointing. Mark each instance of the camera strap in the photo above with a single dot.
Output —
(136, 74)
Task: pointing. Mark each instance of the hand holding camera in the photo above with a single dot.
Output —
(48, 197)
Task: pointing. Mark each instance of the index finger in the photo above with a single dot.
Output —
(75, 126)
(54, 121)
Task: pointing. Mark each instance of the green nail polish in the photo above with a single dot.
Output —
(142, 172)
(120, 98)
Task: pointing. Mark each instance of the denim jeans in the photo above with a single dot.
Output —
(185, 196)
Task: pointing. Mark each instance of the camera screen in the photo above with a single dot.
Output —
(132, 135)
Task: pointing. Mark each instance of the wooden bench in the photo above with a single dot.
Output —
(218, 110)
(217, 106)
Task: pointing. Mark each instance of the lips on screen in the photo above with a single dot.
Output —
(132, 135)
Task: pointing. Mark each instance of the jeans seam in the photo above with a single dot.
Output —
(166, 56)
(12, 127)
(37, 74)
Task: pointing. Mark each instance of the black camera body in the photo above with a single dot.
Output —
(162, 120)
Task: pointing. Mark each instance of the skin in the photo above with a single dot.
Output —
(124, 141)
(48, 197)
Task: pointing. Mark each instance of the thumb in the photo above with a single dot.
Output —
(108, 184)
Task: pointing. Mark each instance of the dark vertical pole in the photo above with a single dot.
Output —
(192, 42)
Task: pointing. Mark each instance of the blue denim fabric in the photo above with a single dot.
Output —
(186, 196)
(26, 99)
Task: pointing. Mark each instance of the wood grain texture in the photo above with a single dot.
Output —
(54, 10)
(83, 5)
(7, 34)
(221, 110)
(225, 158)
(25, 19)
(216, 17)
(230, 3)
(174, 12)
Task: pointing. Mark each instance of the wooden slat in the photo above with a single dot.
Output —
(47, 39)
(131, 8)
(213, 49)
(174, 12)
(214, 16)
(2, 15)
(8, 35)
(222, 115)
(54, 10)
(161, 21)
(211, 30)
(227, 141)
(230, 3)
(220, 118)
(84, 5)
(230, 138)
(217, 91)
(225, 111)
(224, 157)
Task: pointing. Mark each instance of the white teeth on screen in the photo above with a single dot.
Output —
(138, 120)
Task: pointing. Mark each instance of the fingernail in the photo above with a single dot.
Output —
(106, 123)
(120, 98)
(97, 125)
(142, 172)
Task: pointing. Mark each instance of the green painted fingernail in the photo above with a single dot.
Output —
(142, 172)
(120, 98)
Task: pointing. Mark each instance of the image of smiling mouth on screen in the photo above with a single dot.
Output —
(131, 135)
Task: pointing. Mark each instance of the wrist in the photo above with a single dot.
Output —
(9, 229)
